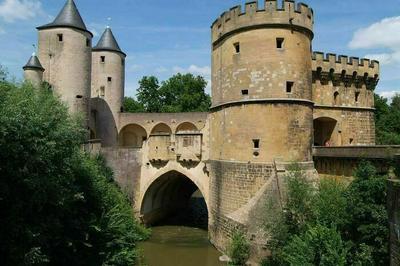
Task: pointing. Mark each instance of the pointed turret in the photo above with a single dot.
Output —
(108, 72)
(69, 17)
(108, 42)
(33, 71)
(65, 51)
(33, 63)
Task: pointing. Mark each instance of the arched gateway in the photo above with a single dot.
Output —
(174, 198)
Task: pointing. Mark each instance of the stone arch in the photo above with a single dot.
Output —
(161, 129)
(169, 195)
(132, 135)
(324, 132)
(186, 127)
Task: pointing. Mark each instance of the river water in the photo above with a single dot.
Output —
(179, 246)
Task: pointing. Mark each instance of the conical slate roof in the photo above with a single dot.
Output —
(108, 42)
(69, 17)
(33, 63)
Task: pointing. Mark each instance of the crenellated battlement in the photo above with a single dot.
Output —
(346, 69)
(298, 17)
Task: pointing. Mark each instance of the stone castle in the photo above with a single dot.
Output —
(274, 102)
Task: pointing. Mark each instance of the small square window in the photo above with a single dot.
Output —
(60, 37)
(256, 143)
(237, 47)
(245, 92)
(289, 86)
(109, 79)
(102, 59)
(87, 43)
(279, 43)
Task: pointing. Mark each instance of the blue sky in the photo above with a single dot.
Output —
(165, 37)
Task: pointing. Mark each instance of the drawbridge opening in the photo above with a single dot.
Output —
(324, 132)
(173, 199)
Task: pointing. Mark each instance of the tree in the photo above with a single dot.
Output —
(58, 206)
(3, 74)
(184, 93)
(132, 106)
(387, 120)
(180, 93)
(148, 94)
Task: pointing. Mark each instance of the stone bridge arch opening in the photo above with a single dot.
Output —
(174, 199)
(132, 136)
(324, 132)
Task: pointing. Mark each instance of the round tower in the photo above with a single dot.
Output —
(65, 52)
(108, 72)
(261, 83)
(33, 71)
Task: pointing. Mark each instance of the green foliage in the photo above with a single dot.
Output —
(180, 93)
(239, 250)
(319, 245)
(368, 219)
(58, 206)
(330, 223)
(132, 106)
(387, 120)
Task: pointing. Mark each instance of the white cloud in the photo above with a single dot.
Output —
(204, 71)
(382, 34)
(161, 69)
(388, 94)
(2, 31)
(134, 67)
(95, 32)
(12, 10)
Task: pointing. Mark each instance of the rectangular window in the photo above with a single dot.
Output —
(122, 62)
(279, 43)
(87, 43)
(102, 92)
(245, 92)
(109, 79)
(187, 142)
(60, 37)
(237, 47)
(256, 143)
(102, 59)
(357, 96)
(289, 86)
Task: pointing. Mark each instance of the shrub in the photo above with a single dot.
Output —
(319, 245)
(239, 250)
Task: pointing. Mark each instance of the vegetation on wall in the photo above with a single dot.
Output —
(331, 223)
(387, 120)
(180, 93)
(58, 206)
(239, 249)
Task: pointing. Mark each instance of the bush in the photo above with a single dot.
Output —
(58, 206)
(239, 250)
(352, 221)
(319, 245)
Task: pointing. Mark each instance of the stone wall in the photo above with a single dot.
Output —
(394, 220)
(126, 164)
(232, 186)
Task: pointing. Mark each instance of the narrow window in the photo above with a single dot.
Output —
(256, 143)
(122, 62)
(279, 43)
(79, 96)
(289, 86)
(357, 96)
(237, 47)
(102, 59)
(351, 141)
(60, 37)
(87, 42)
(245, 92)
(336, 98)
(109, 79)
(102, 92)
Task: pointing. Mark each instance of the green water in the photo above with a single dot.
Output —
(179, 246)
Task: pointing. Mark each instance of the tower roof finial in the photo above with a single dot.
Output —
(68, 17)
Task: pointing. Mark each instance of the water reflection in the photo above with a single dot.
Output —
(179, 246)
